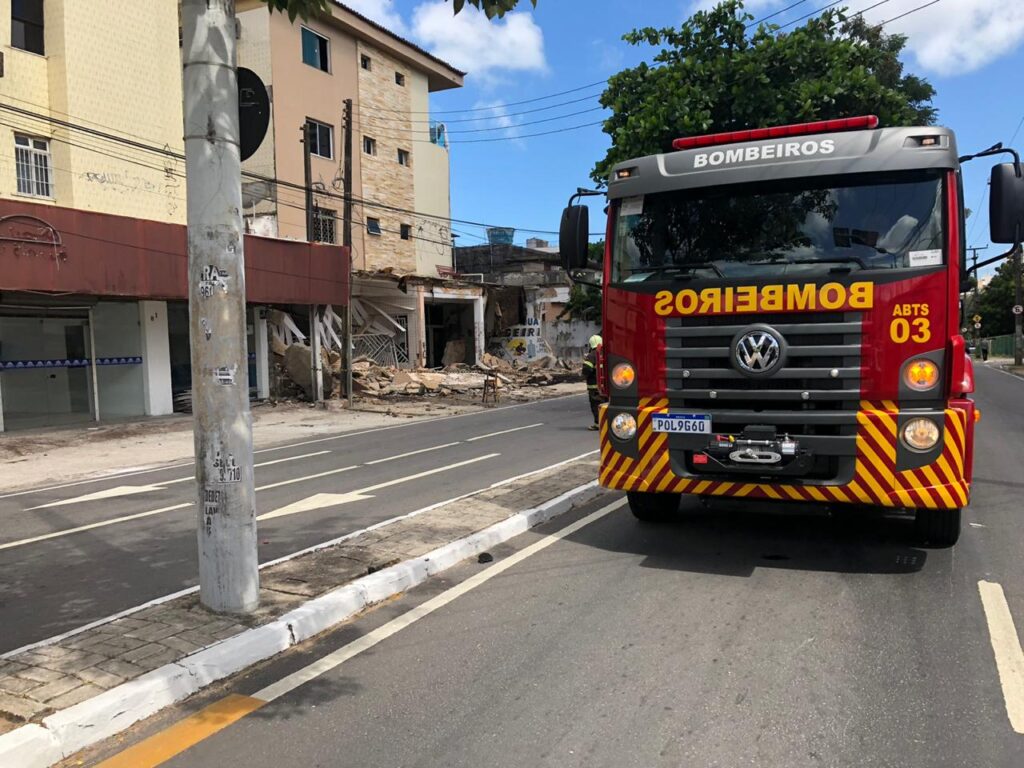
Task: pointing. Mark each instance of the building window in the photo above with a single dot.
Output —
(321, 139)
(399, 78)
(315, 50)
(373, 226)
(365, 63)
(369, 145)
(325, 225)
(27, 26)
(406, 232)
(32, 166)
(404, 158)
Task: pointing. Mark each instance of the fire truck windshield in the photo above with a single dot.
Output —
(802, 228)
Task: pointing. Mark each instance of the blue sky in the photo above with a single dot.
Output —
(971, 51)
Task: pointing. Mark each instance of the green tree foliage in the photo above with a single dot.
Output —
(995, 303)
(307, 8)
(713, 74)
(584, 304)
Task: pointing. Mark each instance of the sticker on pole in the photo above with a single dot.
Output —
(1018, 309)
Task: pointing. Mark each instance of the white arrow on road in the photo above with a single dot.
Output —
(323, 500)
(131, 490)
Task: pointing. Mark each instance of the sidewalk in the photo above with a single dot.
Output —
(52, 456)
(1003, 364)
(150, 652)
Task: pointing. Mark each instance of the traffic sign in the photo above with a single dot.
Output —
(253, 112)
(1018, 309)
(977, 325)
(976, 318)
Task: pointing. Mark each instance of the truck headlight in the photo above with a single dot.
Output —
(920, 434)
(921, 374)
(623, 375)
(624, 426)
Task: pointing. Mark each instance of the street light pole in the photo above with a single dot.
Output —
(1018, 336)
(226, 512)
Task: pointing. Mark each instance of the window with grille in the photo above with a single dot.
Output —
(325, 225)
(404, 157)
(27, 26)
(315, 50)
(32, 166)
(321, 139)
(369, 145)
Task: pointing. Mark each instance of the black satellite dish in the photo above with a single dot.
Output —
(253, 112)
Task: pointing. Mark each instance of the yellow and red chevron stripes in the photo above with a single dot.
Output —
(939, 485)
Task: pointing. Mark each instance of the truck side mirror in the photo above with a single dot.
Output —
(573, 236)
(1006, 204)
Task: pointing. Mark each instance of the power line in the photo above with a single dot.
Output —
(502, 104)
(773, 15)
(912, 10)
(396, 120)
(812, 13)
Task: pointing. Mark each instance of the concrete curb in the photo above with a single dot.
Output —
(70, 730)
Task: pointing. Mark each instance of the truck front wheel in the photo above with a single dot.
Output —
(653, 507)
(940, 527)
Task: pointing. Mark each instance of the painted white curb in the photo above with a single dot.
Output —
(70, 730)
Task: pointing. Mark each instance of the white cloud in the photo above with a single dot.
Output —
(381, 11)
(950, 38)
(470, 42)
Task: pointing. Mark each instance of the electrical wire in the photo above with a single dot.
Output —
(904, 15)
(773, 15)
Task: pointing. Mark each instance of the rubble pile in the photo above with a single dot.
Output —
(374, 380)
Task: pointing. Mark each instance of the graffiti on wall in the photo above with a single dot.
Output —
(523, 343)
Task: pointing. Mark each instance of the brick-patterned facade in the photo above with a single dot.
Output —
(384, 115)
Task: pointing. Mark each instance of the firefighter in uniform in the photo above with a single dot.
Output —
(590, 376)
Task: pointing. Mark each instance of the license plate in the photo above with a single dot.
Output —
(682, 423)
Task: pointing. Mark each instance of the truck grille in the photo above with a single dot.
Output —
(802, 399)
(700, 371)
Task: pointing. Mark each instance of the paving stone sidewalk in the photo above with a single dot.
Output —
(52, 677)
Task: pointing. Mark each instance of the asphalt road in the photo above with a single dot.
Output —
(58, 573)
(727, 637)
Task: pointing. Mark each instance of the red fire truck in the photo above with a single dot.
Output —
(781, 319)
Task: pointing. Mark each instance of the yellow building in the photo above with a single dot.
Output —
(112, 67)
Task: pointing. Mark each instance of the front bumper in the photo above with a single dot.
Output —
(876, 475)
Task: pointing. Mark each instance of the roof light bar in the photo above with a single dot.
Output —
(778, 132)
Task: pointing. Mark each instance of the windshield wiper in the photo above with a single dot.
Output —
(681, 267)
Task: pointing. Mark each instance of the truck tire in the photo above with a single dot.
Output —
(653, 507)
(940, 527)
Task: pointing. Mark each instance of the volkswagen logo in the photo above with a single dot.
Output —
(758, 350)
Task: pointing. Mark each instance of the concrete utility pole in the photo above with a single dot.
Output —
(228, 574)
(346, 240)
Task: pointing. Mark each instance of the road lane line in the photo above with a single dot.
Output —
(294, 480)
(323, 500)
(333, 660)
(91, 526)
(412, 453)
(1007, 650)
(115, 474)
(167, 744)
(503, 432)
(284, 558)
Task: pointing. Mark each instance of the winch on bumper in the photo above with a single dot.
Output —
(757, 450)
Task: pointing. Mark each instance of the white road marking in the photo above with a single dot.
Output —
(322, 500)
(91, 526)
(117, 474)
(294, 480)
(413, 453)
(109, 493)
(285, 558)
(1007, 650)
(369, 640)
(130, 490)
(503, 432)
